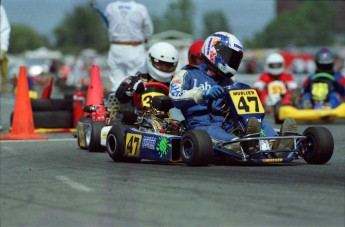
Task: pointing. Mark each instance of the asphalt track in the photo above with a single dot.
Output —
(54, 183)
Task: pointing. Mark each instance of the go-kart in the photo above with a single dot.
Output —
(319, 109)
(96, 117)
(160, 136)
(276, 92)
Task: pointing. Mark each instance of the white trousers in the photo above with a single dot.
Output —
(125, 61)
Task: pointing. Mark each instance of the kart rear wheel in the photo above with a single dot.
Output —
(196, 148)
(318, 145)
(116, 143)
(81, 138)
(93, 136)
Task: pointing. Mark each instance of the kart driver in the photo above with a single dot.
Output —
(335, 91)
(275, 71)
(194, 53)
(193, 86)
(161, 62)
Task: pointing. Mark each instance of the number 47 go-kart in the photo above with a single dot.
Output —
(159, 135)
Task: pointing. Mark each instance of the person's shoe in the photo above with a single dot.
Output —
(253, 127)
(289, 125)
(234, 147)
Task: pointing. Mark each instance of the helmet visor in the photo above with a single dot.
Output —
(231, 57)
(275, 65)
(163, 66)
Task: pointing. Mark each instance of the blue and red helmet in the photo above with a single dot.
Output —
(223, 51)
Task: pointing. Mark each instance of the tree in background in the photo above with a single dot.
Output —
(213, 22)
(178, 17)
(80, 30)
(24, 38)
(312, 24)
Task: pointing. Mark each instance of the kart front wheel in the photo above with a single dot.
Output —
(116, 143)
(196, 148)
(318, 146)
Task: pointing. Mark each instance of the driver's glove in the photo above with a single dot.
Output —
(135, 86)
(215, 92)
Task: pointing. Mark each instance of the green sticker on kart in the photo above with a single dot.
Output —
(247, 101)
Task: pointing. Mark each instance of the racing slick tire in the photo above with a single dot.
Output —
(318, 145)
(93, 136)
(196, 148)
(116, 143)
(81, 125)
(52, 104)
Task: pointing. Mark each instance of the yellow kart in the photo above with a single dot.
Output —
(283, 112)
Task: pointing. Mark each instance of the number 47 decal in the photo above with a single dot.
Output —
(246, 104)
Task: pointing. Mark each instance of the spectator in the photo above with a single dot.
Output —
(129, 26)
(5, 30)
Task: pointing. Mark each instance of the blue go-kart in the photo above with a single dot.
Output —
(160, 134)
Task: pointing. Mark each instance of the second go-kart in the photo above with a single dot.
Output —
(162, 136)
(319, 109)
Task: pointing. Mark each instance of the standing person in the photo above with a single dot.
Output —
(194, 53)
(275, 81)
(193, 87)
(129, 26)
(5, 30)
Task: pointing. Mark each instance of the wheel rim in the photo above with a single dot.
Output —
(88, 135)
(188, 148)
(112, 144)
(309, 146)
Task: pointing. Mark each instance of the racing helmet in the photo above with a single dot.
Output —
(194, 53)
(324, 60)
(223, 51)
(275, 64)
(161, 61)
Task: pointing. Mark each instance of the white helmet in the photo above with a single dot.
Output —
(275, 64)
(161, 61)
(224, 51)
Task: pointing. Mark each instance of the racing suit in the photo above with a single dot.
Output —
(336, 89)
(186, 89)
(265, 79)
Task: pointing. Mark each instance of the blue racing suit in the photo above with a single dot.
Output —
(186, 93)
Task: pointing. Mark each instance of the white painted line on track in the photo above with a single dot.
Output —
(75, 185)
(9, 150)
(48, 140)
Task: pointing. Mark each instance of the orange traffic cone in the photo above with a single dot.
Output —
(95, 90)
(22, 123)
